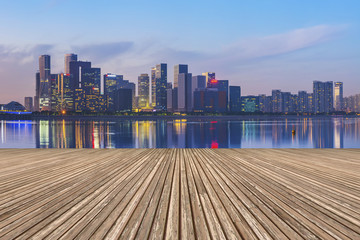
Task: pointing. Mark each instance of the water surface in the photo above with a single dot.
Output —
(327, 132)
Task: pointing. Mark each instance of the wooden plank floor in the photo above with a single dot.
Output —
(180, 193)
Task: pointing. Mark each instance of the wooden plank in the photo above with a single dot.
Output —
(180, 193)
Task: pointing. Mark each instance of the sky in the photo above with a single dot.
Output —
(258, 45)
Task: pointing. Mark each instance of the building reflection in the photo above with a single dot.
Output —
(278, 133)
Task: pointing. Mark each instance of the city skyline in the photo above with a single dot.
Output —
(80, 90)
(259, 46)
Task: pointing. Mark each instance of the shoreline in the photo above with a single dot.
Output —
(179, 117)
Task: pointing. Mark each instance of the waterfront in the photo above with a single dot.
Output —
(327, 132)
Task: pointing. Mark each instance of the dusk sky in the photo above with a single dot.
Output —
(260, 45)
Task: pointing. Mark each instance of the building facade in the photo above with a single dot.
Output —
(235, 99)
(338, 96)
(143, 90)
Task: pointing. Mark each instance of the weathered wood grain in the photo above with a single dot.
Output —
(180, 194)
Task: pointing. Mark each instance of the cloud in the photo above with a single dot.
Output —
(103, 52)
(283, 43)
(254, 59)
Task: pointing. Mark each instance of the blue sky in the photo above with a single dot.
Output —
(259, 45)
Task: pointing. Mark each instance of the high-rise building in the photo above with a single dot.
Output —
(323, 97)
(179, 68)
(209, 77)
(223, 86)
(286, 105)
(143, 90)
(184, 98)
(79, 100)
(153, 86)
(303, 102)
(123, 99)
(37, 92)
(169, 99)
(235, 98)
(276, 101)
(112, 82)
(45, 85)
(338, 96)
(65, 91)
(28, 103)
(161, 84)
(262, 102)
(76, 70)
(310, 102)
(91, 80)
(69, 58)
(209, 100)
(198, 81)
(329, 96)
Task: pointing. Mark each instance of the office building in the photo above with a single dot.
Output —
(209, 76)
(338, 96)
(143, 90)
(44, 85)
(112, 82)
(209, 100)
(198, 81)
(28, 102)
(153, 86)
(222, 86)
(123, 99)
(161, 84)
(179, 68)
(76, 69)
(37, 92)
(184, 92)
(235, 99)
(169, 99)
(79, 100)
(91, 80)
(69, 58)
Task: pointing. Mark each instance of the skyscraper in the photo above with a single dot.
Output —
(153, 86)
(161, 84)
(179, 68)
(235, 98)
(37, 92)
(143, 90)
(323, 97)
(184, 98)
(112, 82)
(69, 58)
(222, 86)
(44, 86)
(91, 80)
(209, 76)
(75, 72)
(338, 96)
(198, 81)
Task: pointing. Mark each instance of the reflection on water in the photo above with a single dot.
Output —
(309, 133)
